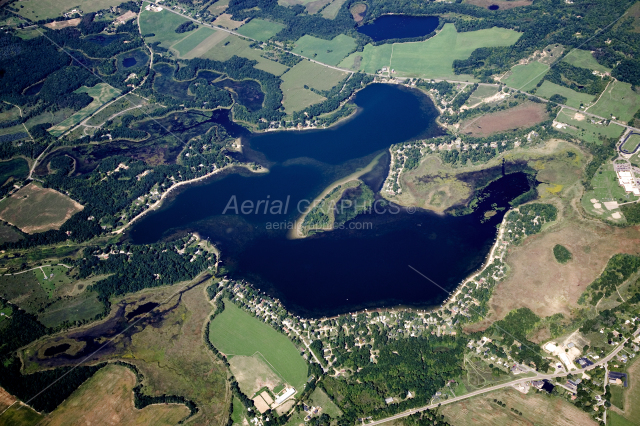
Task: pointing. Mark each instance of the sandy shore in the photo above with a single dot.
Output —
(164, 195)
(296, 231)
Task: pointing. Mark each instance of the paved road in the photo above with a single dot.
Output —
(504, 385)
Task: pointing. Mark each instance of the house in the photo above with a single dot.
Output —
(388, 400)
(618, 378)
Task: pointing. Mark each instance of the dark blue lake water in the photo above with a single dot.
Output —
(364, 265)
(399, 26)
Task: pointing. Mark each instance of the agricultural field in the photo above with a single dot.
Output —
(574, 99)
(331, 11)
(45, 9)
(52, 277)
(519, 117)
(225, 21)
(163, 24)
(632, 142)
(584, 59)
(481, 94)
(234, 45)
(296, 96)
(503, 4)
(8, 234)
(526, 77)
(259, 29)
(234, 332)
(35, 209)
(371, 59)
(108, 395)
(619, 101)
(14, 169)
(326, 51)
(218, 7)
(320, 398)
(606, 188)
(536, 409)
(101, 94)
(20, 415)
(80, 308)
(254, 373)
(583, 128)
(189, 43)
(433, 58)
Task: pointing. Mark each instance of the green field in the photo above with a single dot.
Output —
(632, 142)
(331, 11)
(433, 58)
(259, 29)
(617, 396)
(18, 168)
(51, 277)
(480, 94)
(163, 24)
(615, 419)
(81, 308)
(574, 99)
(326, 51)
(374, 58)
(235, 332)
(319, 398)
(45, 9)
(526, 77)
(101, 94)
(605, 188)
(584, 59)
(234, 45)
(619, 100)
(187, 44)
(586, 130)
(296, 97)
(20, 415)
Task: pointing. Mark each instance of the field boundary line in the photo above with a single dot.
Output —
(603, 92)
(270, 365)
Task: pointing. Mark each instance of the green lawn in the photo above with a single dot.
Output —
(235, 332)
(186, 45)
(480, 94)
(259, 29)
(617, 396)
(296, 97)
(584, 59)
(20, 415)
(618, 100)
(163, 24)
(234, 45)
(586, 130)
(101, 94)
(632, 142)
(574, 99)
(239, 412)
(55, 277)
(18, 168)
(605, 188)
(525, 77)
(319, 398)
(374, 58)
(326, 51)
(433, 58)
(331, 11)
(615, 419)
(80, 308)
(45, 9)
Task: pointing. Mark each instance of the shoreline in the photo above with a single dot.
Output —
(158, 203)
(295, 232)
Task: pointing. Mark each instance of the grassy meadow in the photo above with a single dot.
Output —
(619, 101)
(235, 332)
(480, 94)
(189, 43)
(574, 99)
(584, 59)
(331, 11)
(326, 51)
(163, 24)
(526, 77)
(16, 168)
(234, 45)
(632, 142)
(45, 9)
(296, 96)
(259, 29)
(585, 129)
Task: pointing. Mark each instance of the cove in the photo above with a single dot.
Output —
(366, 263)
(389, 27)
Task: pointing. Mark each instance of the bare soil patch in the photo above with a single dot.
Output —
(504, 5)
(522, 116)
(106, 399)
(225, 21)
(536, 409)
(252, 373)
(58, 25)
(358, 11)
(35, 209)
(6, 399)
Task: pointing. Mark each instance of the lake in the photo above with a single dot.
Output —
(389, 27)
(363, 265)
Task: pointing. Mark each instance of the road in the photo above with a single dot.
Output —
(504, 385)
(307, 345)
(40, 267)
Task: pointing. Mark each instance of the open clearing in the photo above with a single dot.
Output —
(319, 398)
(632, 393)
(504, 5)
(234, 45)
(20, 415)
(162, 25)
(235, 332)
(522, 116)
(259, 29)
(296, 96)
(632, 142)
(58, 25)
(225, 21)
(584, 59)
(480, 94)
(189, 43)
(107, 398)
(526, 77)
(17, 168)
(536, 409)
(331, 11)
(101, 94)
(605, 188)
(35, 209)
(619, 101)
(574, 99)
(433, 58)
(584, 129)
(45, 9)
(253, 373)
(326, 51)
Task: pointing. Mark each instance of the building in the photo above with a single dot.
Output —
(388, 400)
